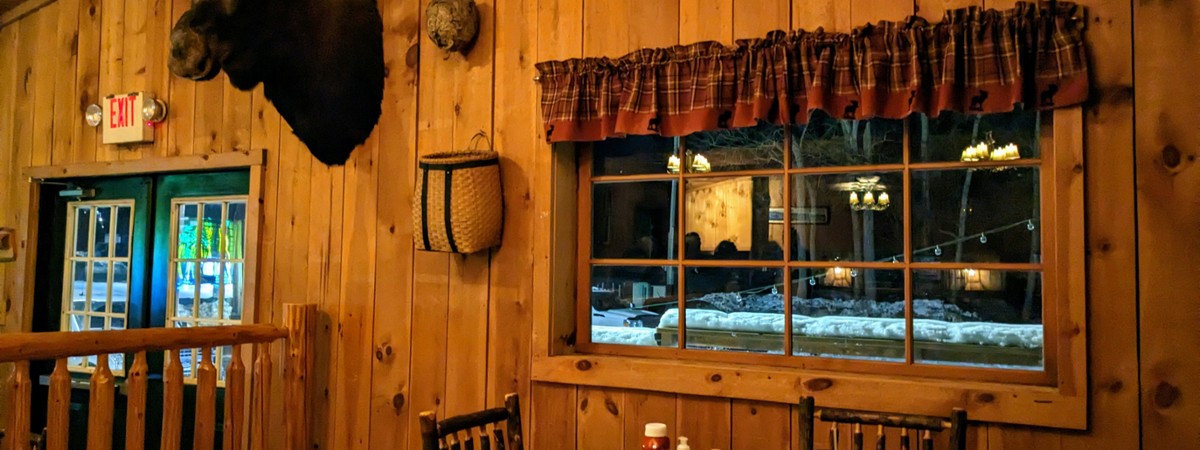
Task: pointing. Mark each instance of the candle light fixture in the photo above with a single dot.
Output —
(988, 151)
(863, 195)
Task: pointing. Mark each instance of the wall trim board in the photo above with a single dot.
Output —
(21, 10)
(216, 161)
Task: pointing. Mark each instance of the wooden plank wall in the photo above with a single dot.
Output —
(404, 331)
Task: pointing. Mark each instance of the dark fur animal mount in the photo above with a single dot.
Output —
(320, 62)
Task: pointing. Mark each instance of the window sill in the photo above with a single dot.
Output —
(985, 402)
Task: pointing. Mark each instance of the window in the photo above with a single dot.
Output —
(910, 247)
(96, 273)
(208, 236)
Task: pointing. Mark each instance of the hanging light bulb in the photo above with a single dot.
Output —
(884, 200)
(700, 164)
(869, 199)
(982, 238)
(1029, 225)
(853, 199)
(673, 164)
(937, 250)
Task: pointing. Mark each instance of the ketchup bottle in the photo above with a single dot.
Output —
(656, 437)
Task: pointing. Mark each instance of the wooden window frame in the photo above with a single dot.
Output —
(1056, 397)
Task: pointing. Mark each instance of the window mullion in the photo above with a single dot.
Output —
(908, 255)
(787, 242)
(681, 280)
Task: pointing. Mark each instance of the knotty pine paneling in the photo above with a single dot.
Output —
(341, 237)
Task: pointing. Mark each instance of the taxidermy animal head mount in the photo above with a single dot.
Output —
(320, 62)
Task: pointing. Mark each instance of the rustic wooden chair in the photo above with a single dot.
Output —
(922, 427)
(460, 432)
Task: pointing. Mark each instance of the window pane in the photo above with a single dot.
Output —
(848, 313)
(210, 231)
(825, 142)
(953, 208)
(95, 323)
(99, 287)
(731, 309)
(187, 231)
(627, 301)
(633, 155)
(79, 297)
(634, 220)
(235, 231)
(210, 286)
(116, 324)
(104, 222)
(849, 217)
(185, 289)
(978, 318)
(234, 288)
(124, 231)
(83, 223)
(751, 148)
(120, 287)
(75, 322)
(730, 218)
(945, 137)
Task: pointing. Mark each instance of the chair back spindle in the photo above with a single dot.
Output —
(470, 431)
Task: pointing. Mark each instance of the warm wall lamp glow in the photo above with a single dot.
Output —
(153, 111)
(977, 280)
(838, 277)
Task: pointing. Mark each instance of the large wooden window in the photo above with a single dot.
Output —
(928, 247)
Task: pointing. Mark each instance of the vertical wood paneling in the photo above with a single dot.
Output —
(705, 421)
(1112, 235)
(87, 80)
(112, 64)
(554, 419)
(182, 94)
(831, 15)
(208, 114)
(606, 28)
(935, 10)
(466, 340)
(755, 18)
(516, 120)
(863, 12)
(1167, 143)
(65, 58)
(705, 20)
(42, 78)
(758, 425)
(393, 246)
(134, 42)
(653, 23)
(600, 422)
(642, 408)
(431, 271)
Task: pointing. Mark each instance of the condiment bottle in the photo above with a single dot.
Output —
(656, 437)
(683, 445)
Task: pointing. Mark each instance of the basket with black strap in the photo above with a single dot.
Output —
(458, 205)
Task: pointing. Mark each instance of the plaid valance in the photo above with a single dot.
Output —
(973, 61)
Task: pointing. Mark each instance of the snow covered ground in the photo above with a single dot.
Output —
(928, 330)
(623, 335)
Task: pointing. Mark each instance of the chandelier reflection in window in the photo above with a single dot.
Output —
(989, 151)
(863, 195)
(699, 163)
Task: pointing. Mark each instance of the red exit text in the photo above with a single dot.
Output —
(120, 112)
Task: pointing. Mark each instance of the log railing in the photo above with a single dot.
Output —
(300, 320)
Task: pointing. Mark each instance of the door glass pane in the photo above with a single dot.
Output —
(99, 287)
(186, 230)
(634, 220)
(120, 287)
(848, 217)
(627, 302)
(124, 231)
(210, 289)
(845, 312)
(103, 237)
(79, 297)
(734, 218)
(116, 324)
(185, 288)
(977, 215)
(978, 317)
(733, 309)
(234, 285)
(83, 223)
(96, 324)
(76, 322)
(210, 231)
(235, 231)
(759, 147)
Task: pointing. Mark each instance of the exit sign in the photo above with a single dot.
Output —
(122, 121)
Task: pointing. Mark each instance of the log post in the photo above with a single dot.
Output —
(58, 418)
(172, 428)
(260, 412)
(100, 408)
(235, 401)
(135, 418)
(300, 321)
(206, 403)
(21, 387)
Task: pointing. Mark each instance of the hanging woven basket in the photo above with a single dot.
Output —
(458, 205)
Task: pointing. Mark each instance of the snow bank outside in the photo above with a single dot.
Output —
(623, 335)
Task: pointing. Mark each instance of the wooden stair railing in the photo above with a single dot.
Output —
(299, 329)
